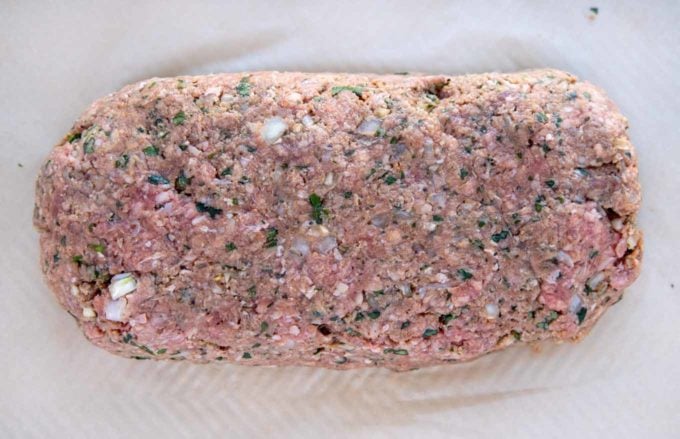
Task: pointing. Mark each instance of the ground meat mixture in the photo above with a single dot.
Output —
(340, 220)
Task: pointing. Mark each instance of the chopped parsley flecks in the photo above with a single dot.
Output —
(77, 259)
(357, 90)
(429, 332)
(73, 136)
(243, 87)
(157, 179)
(88, 145)
(405, 324)
(395, 351)
(179, 118)
(230, 246)
(550, 183)
(247, 356)
(210, 210)
(122, 161)
(539, 202)
(437, 218)
(464, 274)
(541, 117)
(481, 223)
(571, 96)
(347, 195)
(97, 247)
(581, 314)
(373, 314)
(318, 212)
(264, 326)
(225, 172)
(271, 237)
(151, 151)
(182, 181)
(463, 173)
(498, 237)
(390, 179)
(516, 334)
(547, 320)
(446, 318)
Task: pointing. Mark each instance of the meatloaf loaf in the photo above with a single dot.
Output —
(340, 220)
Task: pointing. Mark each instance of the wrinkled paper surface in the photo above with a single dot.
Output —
(622, 381)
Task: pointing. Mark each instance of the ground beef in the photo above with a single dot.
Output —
(340, 220)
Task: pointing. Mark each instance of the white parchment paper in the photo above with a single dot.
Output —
(58, 56)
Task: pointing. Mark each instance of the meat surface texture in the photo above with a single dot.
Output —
(340, 220)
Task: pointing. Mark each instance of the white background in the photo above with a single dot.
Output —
(58, 56)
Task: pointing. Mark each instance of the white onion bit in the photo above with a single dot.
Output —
(575, 303)
(565, 258)
(327, 244)
(88, 312)
(300, 246)
(492, 310)
(594, 281)
(341, 289)
(273, 129)
(115, 309)
(368, 127)
(122, 284)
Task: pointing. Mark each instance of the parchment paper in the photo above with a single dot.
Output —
(56, 57)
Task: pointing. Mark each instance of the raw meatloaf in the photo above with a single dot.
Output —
(340, 220)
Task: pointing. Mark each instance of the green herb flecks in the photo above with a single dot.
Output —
(88, 145)
(357, 90)
(498, 237)
(318, 212)
(151, 151)
(463, 173)
(595, 10)
(395, 351)
(271, 237)
(157, 179)
(252, 291)
(243, 87)
(179, 118)
(264, 326)
(373, 314)
(182, 182)
(210, 210)
(389, 179)
(545, 323)
(230, 246)
(122, 161)
(247, 356)
(539, 203)
(225, 172)
(541, 117)
(429, 332)
(97, 247)
(347, 195)
(73, 136)
(437, 218)
(444, 319)
(550, 183)
(516, 334)
(464, 274)
(581, 314)
(405, 324)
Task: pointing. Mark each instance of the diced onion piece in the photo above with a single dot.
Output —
(89, 313)
(115, 309)
(492, 310)
(273, 129)
(327, 244)
(575, 303)
(121, 285)
(368, 127)
(341, 289)
(300, 246)
(596, 280)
